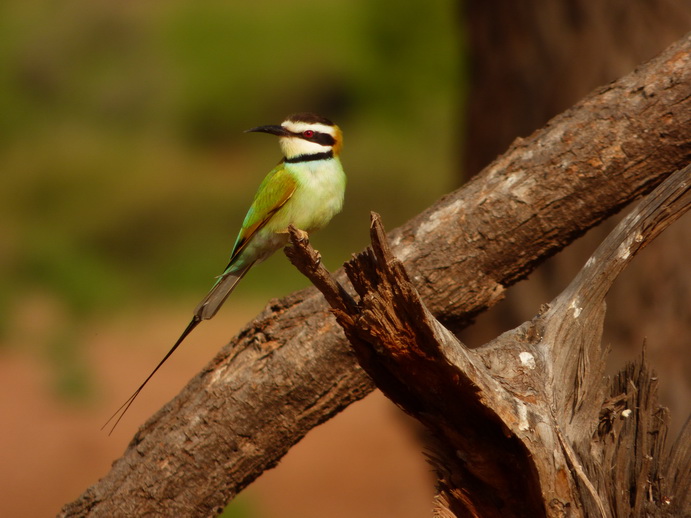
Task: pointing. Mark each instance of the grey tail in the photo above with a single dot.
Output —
(120, 412)
(225, 285)
(206, 309)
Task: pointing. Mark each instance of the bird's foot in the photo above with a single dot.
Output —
(301, 234)
(300, 240)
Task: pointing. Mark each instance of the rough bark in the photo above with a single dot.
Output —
(527, 425)
(291, 369)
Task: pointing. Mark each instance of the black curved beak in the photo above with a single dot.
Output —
(273, 130)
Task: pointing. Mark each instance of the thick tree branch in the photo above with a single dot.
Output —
(512, 420)
(290, 369)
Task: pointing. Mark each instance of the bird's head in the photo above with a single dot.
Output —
(305, 134)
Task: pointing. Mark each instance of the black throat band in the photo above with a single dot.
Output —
(309, 158)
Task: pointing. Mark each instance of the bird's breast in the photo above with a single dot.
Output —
(318, 196)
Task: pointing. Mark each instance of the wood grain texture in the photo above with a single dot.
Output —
(291, 368)
(527, 425)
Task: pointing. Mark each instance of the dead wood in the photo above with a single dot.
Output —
(526, 425)
(291, 369)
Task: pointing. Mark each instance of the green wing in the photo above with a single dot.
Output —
(274, 191)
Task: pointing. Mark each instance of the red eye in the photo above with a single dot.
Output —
(308, 133)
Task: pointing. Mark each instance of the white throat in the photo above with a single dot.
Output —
(295, 146)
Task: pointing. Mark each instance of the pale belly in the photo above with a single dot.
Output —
(318, 198)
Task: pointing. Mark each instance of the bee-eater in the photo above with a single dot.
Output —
(305, 190)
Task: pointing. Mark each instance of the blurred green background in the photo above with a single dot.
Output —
(125, 173)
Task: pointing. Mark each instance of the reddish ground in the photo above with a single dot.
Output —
(364, 462)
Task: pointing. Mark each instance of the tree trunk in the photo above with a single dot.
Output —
(291, 368)
(531, 60)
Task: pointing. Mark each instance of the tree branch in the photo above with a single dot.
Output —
(512, 420)
(290, 369)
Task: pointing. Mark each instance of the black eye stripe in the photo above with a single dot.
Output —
(319, 138)
(323, 138)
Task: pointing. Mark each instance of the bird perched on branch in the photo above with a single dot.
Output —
(305, 190)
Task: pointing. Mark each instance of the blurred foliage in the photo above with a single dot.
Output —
(125, 172)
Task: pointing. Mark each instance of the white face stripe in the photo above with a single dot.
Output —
(299, 127)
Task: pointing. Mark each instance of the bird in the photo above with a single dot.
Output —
(306, 189)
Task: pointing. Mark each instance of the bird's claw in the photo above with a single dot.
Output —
(302, 235)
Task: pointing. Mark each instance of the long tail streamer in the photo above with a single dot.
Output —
(120, 412)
